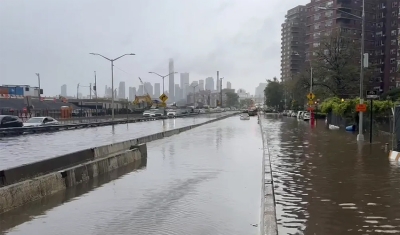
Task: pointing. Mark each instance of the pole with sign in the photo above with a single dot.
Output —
(371, 95)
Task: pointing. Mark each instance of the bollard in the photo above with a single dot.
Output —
(386, 147)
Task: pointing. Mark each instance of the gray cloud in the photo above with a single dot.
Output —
(241, 39)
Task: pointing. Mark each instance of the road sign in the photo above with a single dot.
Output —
(361, 108)
(310, 109)
(372, 95)
(310, 102)
(163, 97)
(310, 96)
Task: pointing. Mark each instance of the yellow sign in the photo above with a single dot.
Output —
(310, 102)
(163, 97)
(310, 96)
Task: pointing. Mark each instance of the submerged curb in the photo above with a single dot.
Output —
(268, 224)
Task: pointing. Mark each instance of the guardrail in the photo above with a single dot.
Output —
(52, 128)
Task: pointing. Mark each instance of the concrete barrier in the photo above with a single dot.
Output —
(33, 181)
(106, 150)
(31, 170)
(17, 194)
(89, 170)
(171, 132)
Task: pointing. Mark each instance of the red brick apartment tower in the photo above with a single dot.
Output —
(386, 56)
(293, 42)
(321, 23)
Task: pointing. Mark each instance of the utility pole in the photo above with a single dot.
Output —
(360, 136)
(90, 87)
(38, 75)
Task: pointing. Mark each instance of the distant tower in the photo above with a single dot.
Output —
(171, 81)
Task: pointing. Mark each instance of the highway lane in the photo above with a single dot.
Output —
(24, 149)
(203, 181)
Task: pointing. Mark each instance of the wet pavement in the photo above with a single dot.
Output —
(24, 149)
(203, 181)
(325, 183)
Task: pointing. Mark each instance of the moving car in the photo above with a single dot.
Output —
(157, 112)
(244, 116)
(171, 114)
(7, 121)
(40, 121)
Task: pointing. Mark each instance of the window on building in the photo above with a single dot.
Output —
(393, 32)
(394, 4)
(316, 26)
(393, 61)
(328, 23)
(393, 42)
(393, 52)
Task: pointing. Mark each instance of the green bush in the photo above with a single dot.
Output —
(348, 107)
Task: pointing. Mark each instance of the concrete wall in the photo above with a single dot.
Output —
(33, 181)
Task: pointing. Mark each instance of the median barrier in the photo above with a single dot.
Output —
(31, 170)
(92, 169)
(33, 181)
(170, 133)
(106, 150)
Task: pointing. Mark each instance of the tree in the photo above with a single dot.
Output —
(274, 93)
(335, 66)
(232, 99)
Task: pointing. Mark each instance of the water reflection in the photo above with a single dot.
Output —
(328, 184)
(28, 211)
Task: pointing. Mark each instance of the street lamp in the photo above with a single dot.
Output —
(360, 136)
(112, 78)
(163, 78)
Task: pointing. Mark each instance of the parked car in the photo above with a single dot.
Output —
(7, 121)
(171, 114)
(157, 112)
(41, 121)
(147, 113)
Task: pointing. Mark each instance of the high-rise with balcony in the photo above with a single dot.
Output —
(293, 42)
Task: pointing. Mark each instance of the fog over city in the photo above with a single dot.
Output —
(241, 39)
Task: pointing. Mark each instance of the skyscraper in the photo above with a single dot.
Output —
(209, 84)
(201, 85)
(132, 93)
(157, 91)
(228, 85)
(148, 89)
(64, 90)
(121, 90)
(171, 81)
(178, 92)
(141, 90)
(184, 83)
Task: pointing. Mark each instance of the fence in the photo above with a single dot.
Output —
(78, 115)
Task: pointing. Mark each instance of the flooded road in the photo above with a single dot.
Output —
(18, 150)
(326, 184)
(203, 181)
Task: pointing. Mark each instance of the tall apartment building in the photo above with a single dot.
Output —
(201, 85)
(293, 42)
(228, 85)
(386, 55)
(148, 89)
(132, 93)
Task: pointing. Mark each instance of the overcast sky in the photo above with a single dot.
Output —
(240, 38)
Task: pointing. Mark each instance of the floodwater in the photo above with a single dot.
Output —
(203, 181)
(325, 183)
(24, 149)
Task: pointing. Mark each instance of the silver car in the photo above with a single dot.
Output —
(147, 113)
(41, 121)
